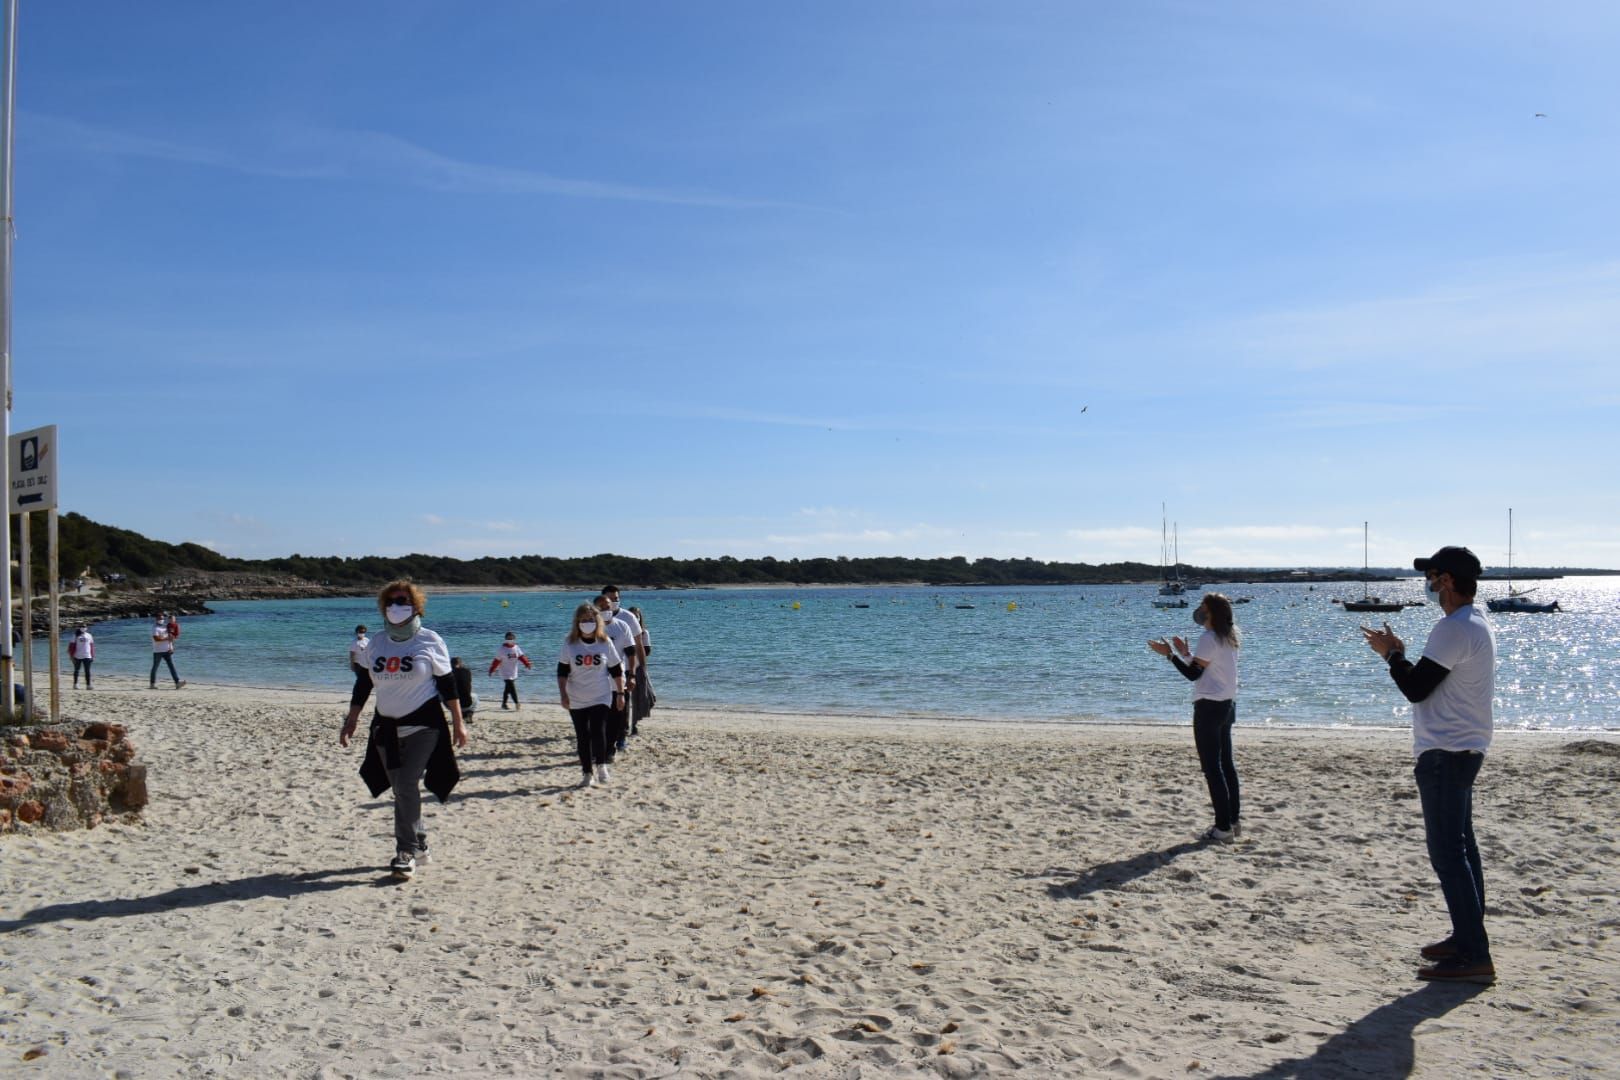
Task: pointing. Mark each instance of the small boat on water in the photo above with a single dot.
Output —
(1369, 602)
(1518, 601)
(1170, 587)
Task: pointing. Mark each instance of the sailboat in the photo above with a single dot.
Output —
(1170, 588)
(1369, 602)
(1516, 600)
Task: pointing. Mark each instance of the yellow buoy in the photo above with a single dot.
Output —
(506, 603)
(1012, 605)
(795, 605)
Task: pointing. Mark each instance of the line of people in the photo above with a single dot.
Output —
(424, 699)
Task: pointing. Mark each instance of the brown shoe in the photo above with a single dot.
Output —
(1440, 950)
(1454, 970)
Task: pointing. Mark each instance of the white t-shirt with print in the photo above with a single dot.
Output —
(618, 632)
(84, 646)
(589, 682)
(161, 642)
(357, 649)
(1219, 682)
(402, 672)
(1457, 714)
(623, 615)
(511, 658)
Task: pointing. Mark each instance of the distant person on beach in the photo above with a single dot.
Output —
(623, 639)
(357, 652)
(408, 742)
(82, 651)
(1212, 667)
(464, 691)
(590, 682)
(163, 651)
(1450, 688)
(507, 659)
(642, 698)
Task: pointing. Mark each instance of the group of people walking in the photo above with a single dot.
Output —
(601, 680)
(165, 636)
(1451, 688)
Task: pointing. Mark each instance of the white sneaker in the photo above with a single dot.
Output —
(589, 780)
(1237, 830)
(1219, 836)
(602, 774)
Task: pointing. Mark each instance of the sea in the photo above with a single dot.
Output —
(1059, 654)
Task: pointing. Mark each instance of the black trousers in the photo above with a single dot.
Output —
(590, 733)
(509, 691)
(1212, 732)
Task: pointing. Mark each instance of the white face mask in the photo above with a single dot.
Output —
(613, 606)
(586, 629)
(1429, 587)
(399, 613)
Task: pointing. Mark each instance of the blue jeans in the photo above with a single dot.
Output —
(1445, 782)
(1212, 733)
(167, 658)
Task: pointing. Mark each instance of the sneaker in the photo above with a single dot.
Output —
(422, 850)
(1440, 950)
(504, 705)
(1237, 830)
(403, 866)
(1482, 972)
(602, 774)
(619, 746)
(180, 685)
(588, 780)
(1218, 835)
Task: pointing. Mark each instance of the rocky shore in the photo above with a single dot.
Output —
(185, 596)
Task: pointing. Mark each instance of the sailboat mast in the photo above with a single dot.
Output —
(1510, 551)
(1365, 589)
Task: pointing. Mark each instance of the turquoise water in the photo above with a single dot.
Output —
(1069, 653)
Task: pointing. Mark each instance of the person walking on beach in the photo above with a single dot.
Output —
(642, 698)
(163, 651)
(507, 659)
(590, 682)
(357, 652)
(82, 651)
(409, 742)
(623, 639)
(464, 691)
(1212, 667)
(1450, 688)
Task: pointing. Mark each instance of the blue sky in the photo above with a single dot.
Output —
(838, 278)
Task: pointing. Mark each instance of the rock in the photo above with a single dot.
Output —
(5, 818)
(104, 732)
(131, 794)
(54, 741)
(30, 812)
(13, 788)
(20, 742)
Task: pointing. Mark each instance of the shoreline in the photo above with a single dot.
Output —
(822, 897)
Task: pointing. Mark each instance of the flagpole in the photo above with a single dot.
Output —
(8, 85)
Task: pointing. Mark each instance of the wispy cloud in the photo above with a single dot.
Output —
(369, 156)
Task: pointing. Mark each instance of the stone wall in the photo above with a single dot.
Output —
(68, 776)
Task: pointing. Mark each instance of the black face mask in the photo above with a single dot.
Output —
(1200, 617)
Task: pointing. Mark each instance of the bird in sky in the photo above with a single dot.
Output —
(1541, 116)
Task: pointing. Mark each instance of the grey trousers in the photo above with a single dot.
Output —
(414, 751)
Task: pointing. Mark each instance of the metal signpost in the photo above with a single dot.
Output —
(31, 459)
(8, 109)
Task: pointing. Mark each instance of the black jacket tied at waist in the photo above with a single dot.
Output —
(382, 751)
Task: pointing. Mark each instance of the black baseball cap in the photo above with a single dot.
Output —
(1456, 561)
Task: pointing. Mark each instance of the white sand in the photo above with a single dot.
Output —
(823, 896)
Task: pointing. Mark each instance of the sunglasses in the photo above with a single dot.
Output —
(401, 600)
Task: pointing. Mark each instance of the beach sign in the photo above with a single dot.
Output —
(33, 470)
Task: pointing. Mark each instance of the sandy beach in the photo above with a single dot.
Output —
(822, 896)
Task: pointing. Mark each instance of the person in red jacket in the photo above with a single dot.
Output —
(507, 659)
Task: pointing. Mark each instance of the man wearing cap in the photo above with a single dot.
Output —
(1450, 688)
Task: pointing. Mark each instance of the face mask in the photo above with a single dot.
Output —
(1199, 617)
(613, 606)
(586, 629)
(399, 613)
(1433, 591)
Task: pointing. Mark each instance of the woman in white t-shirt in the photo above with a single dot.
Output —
(409, 742)
(1212, 667)
(590, 680)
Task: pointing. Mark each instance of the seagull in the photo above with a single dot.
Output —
(1541, 116)
(1083, 408)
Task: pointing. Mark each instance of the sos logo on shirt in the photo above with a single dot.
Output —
(392, 665)
(588, 660)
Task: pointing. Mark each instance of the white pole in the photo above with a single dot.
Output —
(27, 615)
(51, 565)
(8, 87)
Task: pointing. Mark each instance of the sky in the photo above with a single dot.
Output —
(911, 278)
